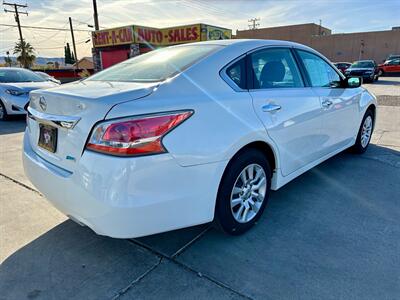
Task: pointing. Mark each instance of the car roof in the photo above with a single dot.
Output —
(14, 68)
(366, 60)
(250, 43)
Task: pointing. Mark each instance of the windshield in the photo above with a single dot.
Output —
(18, 75)
(156, 65)
(363, 64)
(43, 75)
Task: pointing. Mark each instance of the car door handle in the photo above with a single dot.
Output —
(327, 103)
(271, 107)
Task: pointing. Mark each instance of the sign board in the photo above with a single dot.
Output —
(159, 37)
(113, 37)
(209, 33)
(167, 36)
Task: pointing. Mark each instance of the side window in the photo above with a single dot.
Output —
(320, 72)
(237, 72)
(275, 68)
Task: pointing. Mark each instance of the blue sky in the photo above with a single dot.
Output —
(340, 16)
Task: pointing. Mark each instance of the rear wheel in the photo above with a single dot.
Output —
(3, 112)
(243, 192)
(364, 133)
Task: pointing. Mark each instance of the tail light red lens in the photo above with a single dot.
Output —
(135, 136)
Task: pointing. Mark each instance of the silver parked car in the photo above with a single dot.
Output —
(15, 85)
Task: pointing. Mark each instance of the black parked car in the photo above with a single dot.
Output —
(367, 69)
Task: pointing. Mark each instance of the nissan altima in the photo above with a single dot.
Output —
(192, 133)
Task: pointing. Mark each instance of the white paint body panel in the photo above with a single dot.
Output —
(130, 197)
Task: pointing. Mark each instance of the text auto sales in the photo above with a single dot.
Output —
(170, 36)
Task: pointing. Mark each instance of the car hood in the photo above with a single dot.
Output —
(359, 69)
(29, 86)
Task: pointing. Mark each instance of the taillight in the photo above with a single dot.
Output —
(135, 136)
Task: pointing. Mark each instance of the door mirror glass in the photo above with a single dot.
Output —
(353, 82)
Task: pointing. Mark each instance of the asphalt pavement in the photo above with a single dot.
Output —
(332, 233)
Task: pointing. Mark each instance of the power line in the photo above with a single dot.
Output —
(16, 13)
(253, 23)
(44, 28)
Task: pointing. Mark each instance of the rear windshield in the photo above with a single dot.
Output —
(363, 64)
(18, 75)
(156, 65)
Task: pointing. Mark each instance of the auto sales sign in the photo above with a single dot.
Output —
(167, 36)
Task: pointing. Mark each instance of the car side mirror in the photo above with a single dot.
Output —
(353, 82)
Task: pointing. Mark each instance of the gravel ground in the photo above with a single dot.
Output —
(386, 89)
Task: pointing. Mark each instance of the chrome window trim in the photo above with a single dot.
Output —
(236, 88)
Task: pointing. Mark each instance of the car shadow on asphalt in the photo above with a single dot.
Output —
(15, 124)
(331, 233)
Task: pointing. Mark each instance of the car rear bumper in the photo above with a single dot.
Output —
(127, 197)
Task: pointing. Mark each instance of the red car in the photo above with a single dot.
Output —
(389, 67)
(342, 66)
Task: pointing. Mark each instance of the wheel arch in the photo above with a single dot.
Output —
(372, 108)
(264, 148)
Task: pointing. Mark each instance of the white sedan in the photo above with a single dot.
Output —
(192, 133)
(15, 85)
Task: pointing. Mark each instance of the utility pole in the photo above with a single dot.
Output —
(15, 6)
(95, 52)
(362, 44)
(95, 16)
(320, 27)
(73, 43)
(253, 23)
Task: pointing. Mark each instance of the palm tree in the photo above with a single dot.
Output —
(25, 51)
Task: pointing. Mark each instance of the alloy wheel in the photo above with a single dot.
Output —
(248, 193)
(366, 131)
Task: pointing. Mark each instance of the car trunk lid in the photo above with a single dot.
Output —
(84, 104)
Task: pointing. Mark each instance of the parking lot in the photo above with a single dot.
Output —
(332, 233)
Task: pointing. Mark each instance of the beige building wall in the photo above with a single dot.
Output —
(376, 45)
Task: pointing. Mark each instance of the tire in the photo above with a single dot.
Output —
(380, 72)
(3, 112)
(376, 78)
(362, 142)
(228, 217)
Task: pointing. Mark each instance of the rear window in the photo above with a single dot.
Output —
(18, 75)
(156, 65)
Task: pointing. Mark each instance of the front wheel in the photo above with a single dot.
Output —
(243, 192)
(364, 133)
(380, 72)
(3, 112)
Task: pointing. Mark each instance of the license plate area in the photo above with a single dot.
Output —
(48, 137)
